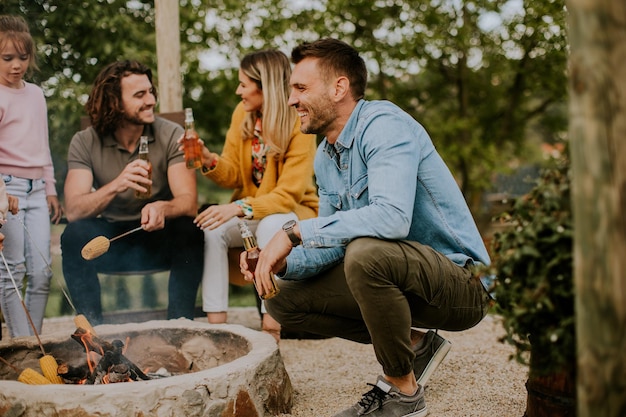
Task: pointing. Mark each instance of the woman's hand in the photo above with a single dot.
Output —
(208, 157)
(216, 215)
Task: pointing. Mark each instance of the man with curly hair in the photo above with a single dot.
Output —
(104, 172)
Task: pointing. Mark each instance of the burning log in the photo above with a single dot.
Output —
(117, 373)
(73, 374)
(91, 342)
(112, 363)
(111, 357)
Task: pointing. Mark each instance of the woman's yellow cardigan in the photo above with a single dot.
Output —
(287, 184)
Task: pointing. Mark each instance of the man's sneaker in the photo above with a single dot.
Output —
(429, 355)
(385, 400)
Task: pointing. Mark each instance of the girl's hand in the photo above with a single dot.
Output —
(13, 204)
(54, 208)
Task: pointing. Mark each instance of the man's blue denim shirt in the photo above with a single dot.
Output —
(383, 178)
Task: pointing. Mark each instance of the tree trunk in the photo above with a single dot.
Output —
(168, 55)
(550, 394)
(598, 142)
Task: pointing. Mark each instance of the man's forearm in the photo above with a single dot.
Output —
(88, 205)
(181, 205)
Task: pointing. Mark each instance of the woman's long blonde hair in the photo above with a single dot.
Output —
(271, 70)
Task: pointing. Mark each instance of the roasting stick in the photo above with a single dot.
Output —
(79, 320)
(99, 245)
(19, 295)
(15, 368)
(47, 362)
(67, 297)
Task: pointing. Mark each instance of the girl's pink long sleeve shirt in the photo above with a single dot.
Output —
(24, 144)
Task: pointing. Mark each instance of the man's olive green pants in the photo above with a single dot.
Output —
(382, 289)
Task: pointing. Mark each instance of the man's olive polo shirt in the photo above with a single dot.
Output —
(106, 159)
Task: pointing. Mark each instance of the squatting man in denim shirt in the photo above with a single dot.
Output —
(394, 247)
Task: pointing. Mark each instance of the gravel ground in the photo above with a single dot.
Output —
(477, 378)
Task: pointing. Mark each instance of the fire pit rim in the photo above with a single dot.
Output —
(262, 345)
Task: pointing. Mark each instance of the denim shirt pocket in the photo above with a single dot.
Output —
(334, 200)
(358, 189)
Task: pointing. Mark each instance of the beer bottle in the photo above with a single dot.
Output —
(143, 154)
(191, 146)
(252, 251)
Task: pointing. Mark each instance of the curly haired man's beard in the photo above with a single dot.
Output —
(135, 119)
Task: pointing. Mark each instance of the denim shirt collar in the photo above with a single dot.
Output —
(346, 137)
(348, 134)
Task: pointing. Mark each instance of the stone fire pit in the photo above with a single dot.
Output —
(232, 371)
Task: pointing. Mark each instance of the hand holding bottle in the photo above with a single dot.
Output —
(251, 259)
(208, 159)
(143, 155)
(191, 142)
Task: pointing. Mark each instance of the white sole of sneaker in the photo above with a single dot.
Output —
(437, 358)
(420, 413)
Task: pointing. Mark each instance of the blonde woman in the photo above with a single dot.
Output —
(269, 164)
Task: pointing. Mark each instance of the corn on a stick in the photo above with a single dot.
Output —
(32, 377)
(97, 246)
(82, 322)
(28, 375)
(49, 366)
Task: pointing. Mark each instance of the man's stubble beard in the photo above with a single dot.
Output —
(135, 119)
(321, 115)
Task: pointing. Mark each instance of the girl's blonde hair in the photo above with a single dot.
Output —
(15, 29)
(271, 70)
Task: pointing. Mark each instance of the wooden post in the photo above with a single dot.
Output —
(168, 55)
(598, 142)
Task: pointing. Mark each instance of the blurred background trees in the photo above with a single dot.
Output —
(487, 78)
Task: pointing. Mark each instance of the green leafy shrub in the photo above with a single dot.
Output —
(533, 263)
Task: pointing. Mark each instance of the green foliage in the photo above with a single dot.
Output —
(479, 89)
(533, 262)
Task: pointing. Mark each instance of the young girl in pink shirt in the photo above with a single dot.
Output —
(26, 168)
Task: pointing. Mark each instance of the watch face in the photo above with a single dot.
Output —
(288, 228)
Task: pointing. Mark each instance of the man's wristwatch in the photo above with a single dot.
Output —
(288, 228)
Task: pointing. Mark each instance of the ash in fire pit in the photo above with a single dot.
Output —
(174, 367)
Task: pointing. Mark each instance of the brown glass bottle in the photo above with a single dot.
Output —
(191, 146)
(143, 154)
(252, 250)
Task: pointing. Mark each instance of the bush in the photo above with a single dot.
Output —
(533, 263)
